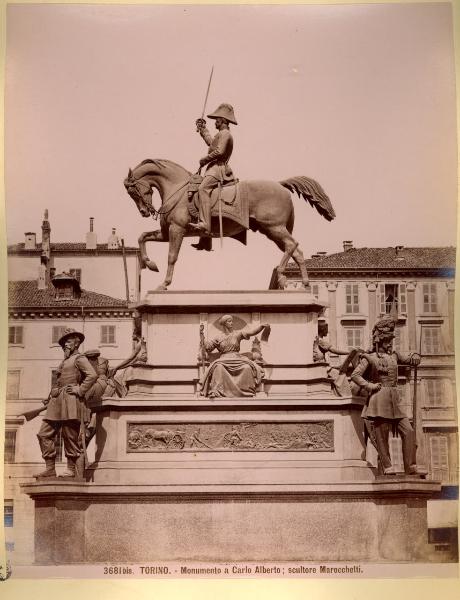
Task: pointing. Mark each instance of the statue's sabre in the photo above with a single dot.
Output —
(207, 92)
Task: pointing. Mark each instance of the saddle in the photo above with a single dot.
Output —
(233, 198)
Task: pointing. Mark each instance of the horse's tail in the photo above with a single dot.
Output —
(311, 191)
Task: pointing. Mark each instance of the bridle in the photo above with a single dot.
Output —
(164, 209)
(135, 183)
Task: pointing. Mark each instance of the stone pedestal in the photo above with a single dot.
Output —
(278, 476)
(136, 523)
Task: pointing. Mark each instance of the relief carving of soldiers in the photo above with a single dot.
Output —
(66, 408)
(232, 374)
(377, 374)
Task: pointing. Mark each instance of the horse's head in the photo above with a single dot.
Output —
(140, 191)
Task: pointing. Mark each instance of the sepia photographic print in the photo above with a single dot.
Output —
(231, 246)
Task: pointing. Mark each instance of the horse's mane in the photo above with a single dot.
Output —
(162, 163)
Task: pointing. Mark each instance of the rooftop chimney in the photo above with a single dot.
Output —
(322, 253)
(42, 277)
(347, 245)
(399, 254)
(91, 238)
(46, 235)
(45, 258)
(30, 241)
(113, 243)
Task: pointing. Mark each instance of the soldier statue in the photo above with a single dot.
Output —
(65, 407)
(218, 169)
(377, 374)
(321, 346)
(95, 393)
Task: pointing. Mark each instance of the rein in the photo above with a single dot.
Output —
(165, 209)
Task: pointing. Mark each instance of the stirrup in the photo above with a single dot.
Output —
(201, 229)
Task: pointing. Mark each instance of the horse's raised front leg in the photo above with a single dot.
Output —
(176, 235)
(149, 236)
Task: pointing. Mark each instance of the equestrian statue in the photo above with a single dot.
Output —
(217, 205)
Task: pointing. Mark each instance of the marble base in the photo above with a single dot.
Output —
(359, 521)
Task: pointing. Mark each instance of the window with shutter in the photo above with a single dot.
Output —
(439, 458)
(15, 335)
(352, 298)
(8, 513)
(402, 299)
(10, 445)
(382, 298)
(431, 340)
(12, 384)
(354, 337)
(434, 389)
(57, 333)
(430, 299)
(107, 334)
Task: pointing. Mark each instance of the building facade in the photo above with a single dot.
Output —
(107, 268)
(49, 291)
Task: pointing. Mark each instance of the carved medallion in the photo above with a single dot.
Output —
(311, 436)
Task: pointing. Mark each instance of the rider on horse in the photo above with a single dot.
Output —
(218, 170)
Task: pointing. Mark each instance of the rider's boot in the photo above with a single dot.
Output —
(49, 471)
(204, 224)
(204, 243)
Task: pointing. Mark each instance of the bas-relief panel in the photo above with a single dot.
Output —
(312, 436)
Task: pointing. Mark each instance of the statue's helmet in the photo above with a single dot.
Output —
(224, 111)
(383, 329)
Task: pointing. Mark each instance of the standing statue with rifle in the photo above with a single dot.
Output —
(66, 409)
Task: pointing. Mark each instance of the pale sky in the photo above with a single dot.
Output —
(360, 98)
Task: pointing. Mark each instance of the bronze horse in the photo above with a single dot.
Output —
(271, 211)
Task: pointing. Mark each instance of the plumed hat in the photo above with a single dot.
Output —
(383, 329)
(69, 332)
(224, 111)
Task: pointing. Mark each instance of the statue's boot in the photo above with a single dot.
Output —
(49, 471)
(203, 227)
(415, 470)
(71, 468)
(204, 243)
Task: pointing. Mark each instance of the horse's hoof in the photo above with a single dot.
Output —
(161, 288)
(282, 282)
(151, 265)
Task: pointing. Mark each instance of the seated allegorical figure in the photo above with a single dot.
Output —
(232, 374)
